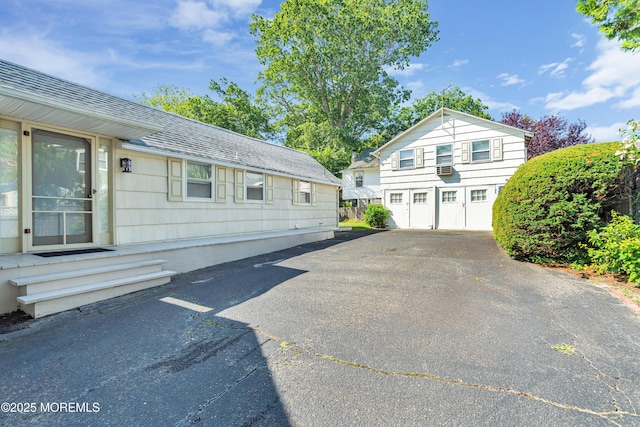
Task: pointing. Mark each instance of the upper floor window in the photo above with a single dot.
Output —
(255, 186)
(480, 151)
(406, 159)
(444, 154)
(359, 178)
(199, 179)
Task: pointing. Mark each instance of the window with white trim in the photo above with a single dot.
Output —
(395, 198)
(419, 198)
(254, 186)
(481, 151)
(199, 180)
(407, 158)
(305, 193)
(449, 196)
(359, 179)
(478, 195)
(444, 154)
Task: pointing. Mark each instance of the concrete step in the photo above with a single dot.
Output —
(75, 277)
(55, 301)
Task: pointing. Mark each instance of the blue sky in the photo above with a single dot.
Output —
(539, 57)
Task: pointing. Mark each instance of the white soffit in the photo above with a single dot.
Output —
(28, 106)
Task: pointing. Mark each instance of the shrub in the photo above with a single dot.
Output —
(376, 215)
(546, 208)
(616, 247)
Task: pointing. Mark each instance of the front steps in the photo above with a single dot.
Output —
(46, 294)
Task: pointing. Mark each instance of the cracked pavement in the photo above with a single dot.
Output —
(371, 328)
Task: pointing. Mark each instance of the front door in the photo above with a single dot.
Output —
(62, 190)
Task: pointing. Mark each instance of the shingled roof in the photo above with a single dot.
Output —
(31, 95)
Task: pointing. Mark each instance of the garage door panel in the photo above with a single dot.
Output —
(421, 209)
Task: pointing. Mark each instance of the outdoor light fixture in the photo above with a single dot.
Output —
(125, 164)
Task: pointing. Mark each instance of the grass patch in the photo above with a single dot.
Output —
(564, 348)
(355, 225)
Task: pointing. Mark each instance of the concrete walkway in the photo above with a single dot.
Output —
(388, 328)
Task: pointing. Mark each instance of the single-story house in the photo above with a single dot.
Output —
(446, 171)
(136, 193)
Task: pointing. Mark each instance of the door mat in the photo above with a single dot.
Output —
(72, 252)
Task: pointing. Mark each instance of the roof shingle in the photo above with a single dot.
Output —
(179, 135)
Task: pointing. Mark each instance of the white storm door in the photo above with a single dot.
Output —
(61, 190)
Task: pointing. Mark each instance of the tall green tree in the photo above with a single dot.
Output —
(326, 60)
(236, 111)
(616, 19)
(405, 117)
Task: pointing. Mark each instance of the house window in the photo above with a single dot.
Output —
(419, 198)
(478, 195)
(480, 151)
(395, 198)
(359, 179)
(199, 181)
(449, 196)
(406, 158)
(305, 193)
(255, 186)
(444, 154)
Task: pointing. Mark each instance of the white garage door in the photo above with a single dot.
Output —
(465, 208)
(421, 209)
(479, 203)
(397, 201)
(451, 208)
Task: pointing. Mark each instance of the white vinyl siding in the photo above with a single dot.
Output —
(143, 213)
(485, 155)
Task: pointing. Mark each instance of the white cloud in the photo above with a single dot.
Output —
(632, 101)
(37, 52)
(459, 63)
(406, 71)
(581, 40)
(510, 79)
(555, 69)
(499, 106)
(606, 133)
(196, 15)
(613, 74)
(239, 8)
(216, 38)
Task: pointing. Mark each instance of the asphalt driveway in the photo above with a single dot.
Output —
(389, 328)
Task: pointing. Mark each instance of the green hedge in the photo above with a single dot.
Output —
(546, 208)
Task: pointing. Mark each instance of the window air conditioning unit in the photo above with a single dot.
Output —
(444, 170)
